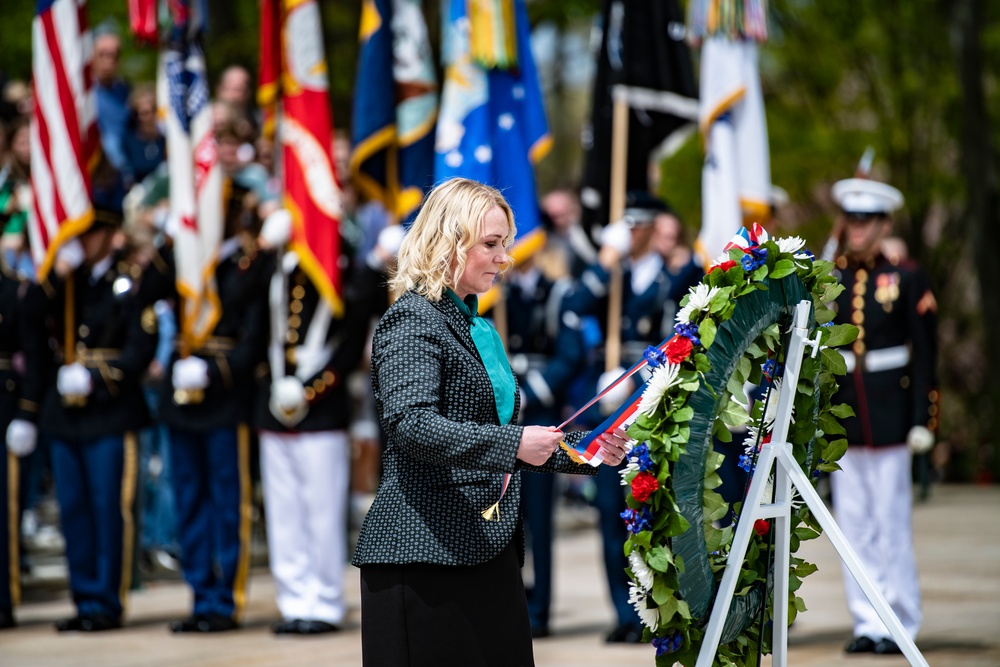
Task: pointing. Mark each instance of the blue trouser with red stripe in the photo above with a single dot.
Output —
(95, 488)
(211, 488)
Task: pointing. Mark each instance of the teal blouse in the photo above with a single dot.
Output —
(491, 351)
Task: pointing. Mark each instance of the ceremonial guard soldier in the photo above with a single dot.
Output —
(19, 403)
(650, 294)
(206, 403)
(532, 304)
(100, 342)
(303, 412)
(891, 386)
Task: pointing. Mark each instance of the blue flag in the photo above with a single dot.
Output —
(492, 126)
(395, 107)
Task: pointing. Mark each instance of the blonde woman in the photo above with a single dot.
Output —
(441, 548)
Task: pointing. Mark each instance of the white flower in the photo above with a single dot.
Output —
(665, 377)
(790, 244)
(750, 442)
(772, 406)
(650, 616)
(631, 467)
(699, 299)
(641, 571)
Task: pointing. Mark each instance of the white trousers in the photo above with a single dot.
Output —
(872, 499)
(306, 478)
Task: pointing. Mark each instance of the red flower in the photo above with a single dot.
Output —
(643, 486)
(761, 526)
(725, 266)
(678, 349)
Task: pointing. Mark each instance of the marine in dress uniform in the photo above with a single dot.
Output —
(892, 388)
(649, 303)
(206, 403)
(101, 341)
(303, 411)
(19, 406)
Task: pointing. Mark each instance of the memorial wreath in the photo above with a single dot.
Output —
(729, 336)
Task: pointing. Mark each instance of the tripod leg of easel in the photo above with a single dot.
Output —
(737, 552)
(846, 552)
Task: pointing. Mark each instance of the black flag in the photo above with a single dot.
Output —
(643, 45)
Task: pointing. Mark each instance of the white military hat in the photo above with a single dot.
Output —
(860, 195)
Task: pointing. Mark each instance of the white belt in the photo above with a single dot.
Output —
(875, 361)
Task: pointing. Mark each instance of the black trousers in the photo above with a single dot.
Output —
(421, 614)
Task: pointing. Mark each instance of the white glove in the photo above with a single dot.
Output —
(288, 401)
(190, 374)
(22, 436)
(277, 229)
(70, 256)
(390, 238)
(920, 440)
(74, 380)
(616, 396)
(618, 237)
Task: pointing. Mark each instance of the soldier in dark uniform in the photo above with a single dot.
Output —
(650, 293)
(892, 388)
(18, 421)
(533, 308)
(101, 341)
(206, 403)
(303, 411)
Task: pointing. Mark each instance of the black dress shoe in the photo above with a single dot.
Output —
(887, 646)
(625, 634)
(296, 626)
(88, 623)
(860, 644)
(320, 627)
(204, 623)
(7, 618)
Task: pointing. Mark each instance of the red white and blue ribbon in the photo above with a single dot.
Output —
(588, 449)
(746, 239)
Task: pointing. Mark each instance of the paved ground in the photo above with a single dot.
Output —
(958, 545)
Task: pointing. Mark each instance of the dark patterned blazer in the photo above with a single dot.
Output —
(447, 452)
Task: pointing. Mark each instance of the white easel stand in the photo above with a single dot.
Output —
(778, 454)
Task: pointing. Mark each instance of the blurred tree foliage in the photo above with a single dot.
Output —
(915, 79)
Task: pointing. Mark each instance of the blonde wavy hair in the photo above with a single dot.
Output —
(434, 251)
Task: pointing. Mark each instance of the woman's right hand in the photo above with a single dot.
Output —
(538, 443)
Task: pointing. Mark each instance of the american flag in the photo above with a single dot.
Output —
(64, 138)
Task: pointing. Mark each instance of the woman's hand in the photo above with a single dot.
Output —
(538, 443)
(614, 445)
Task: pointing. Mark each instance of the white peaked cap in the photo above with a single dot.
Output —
(860, 195)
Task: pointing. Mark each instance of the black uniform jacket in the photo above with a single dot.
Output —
(326, 390)
(14, 402)
(894, 309)
(113, 336)
(447, 451)
(235, 350)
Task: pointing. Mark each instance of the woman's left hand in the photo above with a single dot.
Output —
(614, 445)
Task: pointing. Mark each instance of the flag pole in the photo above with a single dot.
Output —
(619, 156)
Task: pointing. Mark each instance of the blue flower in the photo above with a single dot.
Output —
(754, 259)
(641, 454)
(771, 367)
(688, 330)
(655, 357)
(669, 644)
(746, 462)
(827, 324)
(637, 521)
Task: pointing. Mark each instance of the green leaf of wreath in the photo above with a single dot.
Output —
(842, 334)
(706, 331)
(834, 361)
(782, 268)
